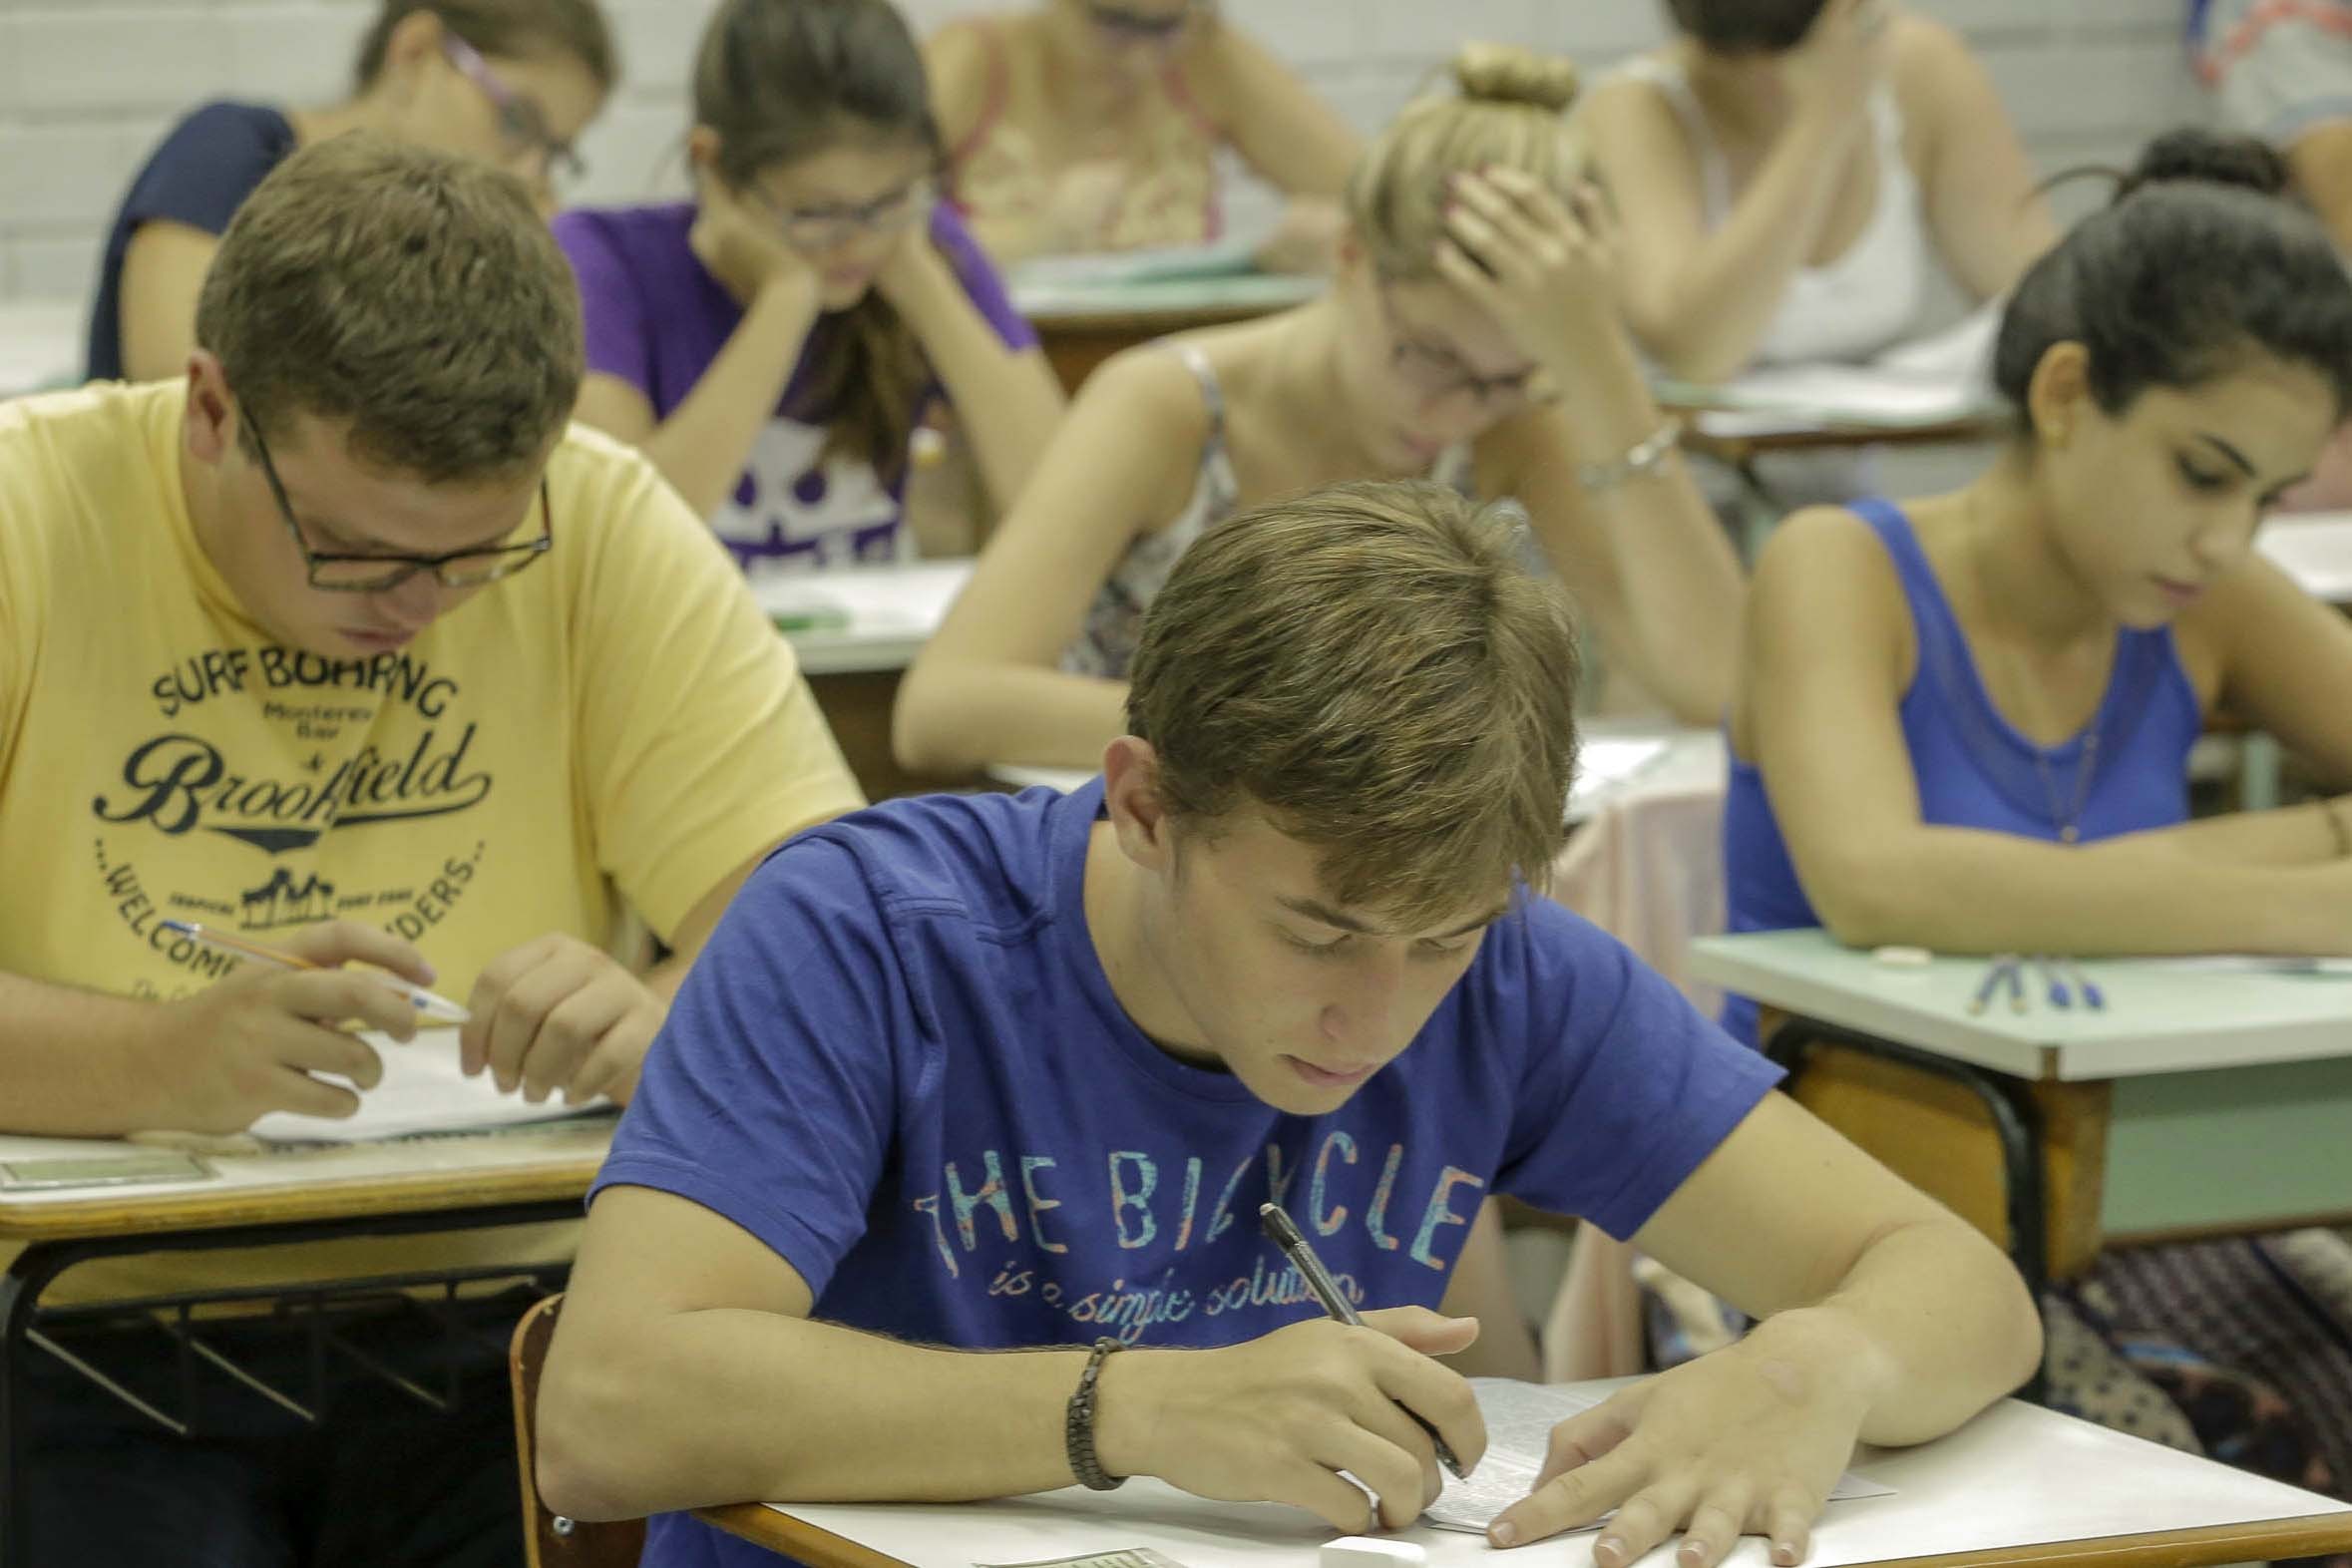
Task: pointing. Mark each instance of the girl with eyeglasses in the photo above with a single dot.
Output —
(1082, 126)
(510, 82)
(1472, 335)
(774, 344)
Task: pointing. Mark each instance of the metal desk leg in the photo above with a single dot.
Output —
(2016, 1126)
(39, 1265)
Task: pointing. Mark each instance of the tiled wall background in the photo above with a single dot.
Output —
(87, 86)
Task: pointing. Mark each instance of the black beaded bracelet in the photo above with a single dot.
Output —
(1078, 1426)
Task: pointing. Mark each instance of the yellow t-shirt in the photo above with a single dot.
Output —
(616, 726)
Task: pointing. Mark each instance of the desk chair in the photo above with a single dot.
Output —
(550, 1540)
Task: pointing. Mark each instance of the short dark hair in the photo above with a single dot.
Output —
(508, 29)
(2192, 267)
(1373, 667)
(415, 294)
(1743, 27)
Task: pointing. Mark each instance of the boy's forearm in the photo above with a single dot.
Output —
(728, 1405)
(1930, 1326)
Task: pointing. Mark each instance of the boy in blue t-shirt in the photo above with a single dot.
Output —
(991, 1072)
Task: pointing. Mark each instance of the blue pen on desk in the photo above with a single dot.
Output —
(1285, 1235)
(2093, 997)
(438, 1008)
(1984, 992)
(2053, 982)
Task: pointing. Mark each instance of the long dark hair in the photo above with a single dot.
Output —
(781, 79)
(2199, 261)
(1742, 27)
(509, 29)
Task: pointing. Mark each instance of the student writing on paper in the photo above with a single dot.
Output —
(988, 1072)
(512, 82)
(343, 643)
(1078, 126)
(1788, 170)
(1965, 723)
(1471, 336)
(774, 344)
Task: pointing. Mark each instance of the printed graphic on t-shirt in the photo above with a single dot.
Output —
(795, 507)
(1003, 1225)
(347, 749)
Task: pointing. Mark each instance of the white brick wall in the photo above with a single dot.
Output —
(86, 86)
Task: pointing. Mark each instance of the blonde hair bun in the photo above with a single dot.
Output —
(1509, 74)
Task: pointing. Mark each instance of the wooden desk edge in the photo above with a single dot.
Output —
(203, 1208)
(762, 1525)
(2305, 1535)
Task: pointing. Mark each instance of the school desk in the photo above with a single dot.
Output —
(1617, 761)
(39, 345)
(855, 631)
(2019, 1484)
(522, 1176)
(1081, 324)
(2194, 1103)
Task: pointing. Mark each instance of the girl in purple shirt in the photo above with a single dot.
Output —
(774, 344)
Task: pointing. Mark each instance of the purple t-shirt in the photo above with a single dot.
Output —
(899, 1064)
(656, 318)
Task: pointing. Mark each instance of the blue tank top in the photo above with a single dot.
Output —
(1974, 769)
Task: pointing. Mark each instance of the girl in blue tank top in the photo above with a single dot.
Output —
(1964, 720)
(1964, 723)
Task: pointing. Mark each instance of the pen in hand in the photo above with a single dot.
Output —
(1285, 1235)
(439, 1009)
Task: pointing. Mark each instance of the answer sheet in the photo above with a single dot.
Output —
(1519, 1422)
(423, 1091)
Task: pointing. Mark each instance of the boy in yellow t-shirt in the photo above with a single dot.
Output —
(345, 643)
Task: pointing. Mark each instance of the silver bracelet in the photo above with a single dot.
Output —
(1643, 460)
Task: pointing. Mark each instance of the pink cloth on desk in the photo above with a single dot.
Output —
(1649, 870)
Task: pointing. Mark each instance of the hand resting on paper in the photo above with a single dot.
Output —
(252, 1043)
(1276, 1418)
(559, 1016)
(1747, 1441)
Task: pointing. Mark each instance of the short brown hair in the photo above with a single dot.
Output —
(414, 293)
(507, 29)
(1371, 665)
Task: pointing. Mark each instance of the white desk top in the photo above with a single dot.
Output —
(860, 619)
(2313, 548)
(2018, 1477)
(2158, 1018)
(1617, 764)
(39, 344)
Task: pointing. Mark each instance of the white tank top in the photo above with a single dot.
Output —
(1866, 298)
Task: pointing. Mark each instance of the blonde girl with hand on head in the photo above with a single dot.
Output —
(510, 82)
(1471, 334)
(1790, 169)
(773, 345)
(1079, 126)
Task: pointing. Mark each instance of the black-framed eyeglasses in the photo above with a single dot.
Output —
(522, 124)
(350, 573)
(1141, 27)
(821, 228)
(1436, 372)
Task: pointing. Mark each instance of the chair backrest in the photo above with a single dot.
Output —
(548, 1540)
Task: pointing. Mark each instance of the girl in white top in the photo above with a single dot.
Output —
(1785, 168)
(1475, 309)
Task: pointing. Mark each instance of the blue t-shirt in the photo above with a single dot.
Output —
(899, 1064)
(656, 318)
(1973, 768)
(199, 175)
